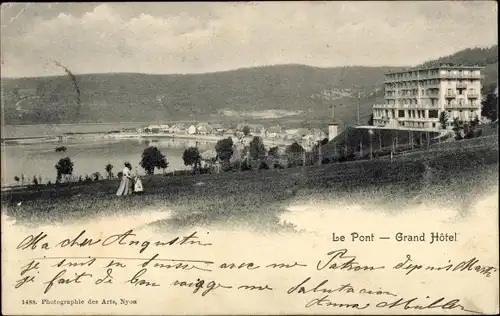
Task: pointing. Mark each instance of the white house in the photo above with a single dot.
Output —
(273, 132)
(191, 130)
(177, 128)
(164, 128)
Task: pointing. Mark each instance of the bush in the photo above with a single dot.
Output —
(245, 166)
(277, 165)
(263, 165)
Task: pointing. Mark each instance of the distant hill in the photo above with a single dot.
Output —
(140, 97)
(209, 97)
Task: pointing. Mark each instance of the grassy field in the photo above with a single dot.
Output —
(256, 198)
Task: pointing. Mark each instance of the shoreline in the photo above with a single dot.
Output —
(125, 135)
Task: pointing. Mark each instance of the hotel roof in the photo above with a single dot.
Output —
(442, 66)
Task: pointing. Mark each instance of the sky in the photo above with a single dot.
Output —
(189, 37)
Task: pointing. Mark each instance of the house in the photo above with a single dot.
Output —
(291, 133)
(217, 126)
(217, 129)
(255, 128)
(164, 128)
(301, 132)
(204, 129)
(240, 126)
(273, 132)
(191, 130)
(152, 129)
(318, 134)
(177, 128)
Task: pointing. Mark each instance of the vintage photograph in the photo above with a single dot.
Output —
(323, 157)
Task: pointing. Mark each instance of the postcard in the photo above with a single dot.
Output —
(244, 158)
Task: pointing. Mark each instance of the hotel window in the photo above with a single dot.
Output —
(433, 114)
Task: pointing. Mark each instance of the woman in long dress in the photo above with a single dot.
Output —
(126, 185)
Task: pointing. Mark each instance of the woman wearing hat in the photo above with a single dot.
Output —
(126, 185)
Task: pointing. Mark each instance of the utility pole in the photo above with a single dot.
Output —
(361, 147)
(333, 111)
(357, 105)
(320, 159)
(380, 139)
(411, 139)
(371, 145)
(345, 136)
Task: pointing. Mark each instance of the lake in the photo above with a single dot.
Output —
(88, 156)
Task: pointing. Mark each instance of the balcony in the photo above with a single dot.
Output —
(433, 95)
(472, 95)
(385, 106)
(450, 95)
(467, 76)
(461, 106)
(461, 86)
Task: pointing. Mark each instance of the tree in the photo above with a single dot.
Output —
(35, 180)
(443, 119)
(273, 152)
(109, 170)
(257, 148)
(153, 158)
(490, 107)
(224, 149)
(17, 179)
(64, 168)
(474, 123)
(457, 128)
(370, 120)
(246, 131)
(295, 154)
(192, 157)
(263, 165)
(315, 151)
(96, 176)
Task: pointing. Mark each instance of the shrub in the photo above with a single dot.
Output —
(263, 165)
(245, 166)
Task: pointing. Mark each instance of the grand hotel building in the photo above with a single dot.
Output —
(415, 98)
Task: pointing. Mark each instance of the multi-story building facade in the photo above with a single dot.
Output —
(414, 99)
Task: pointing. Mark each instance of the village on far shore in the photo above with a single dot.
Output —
(242, 132)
